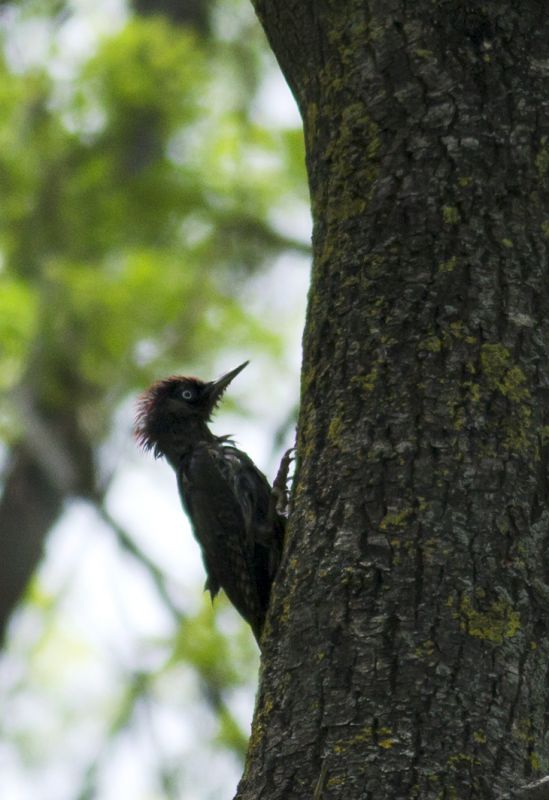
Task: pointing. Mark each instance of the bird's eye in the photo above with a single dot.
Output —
(187, 394)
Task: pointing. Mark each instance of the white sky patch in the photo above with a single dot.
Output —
(111, 620)
(63, 42)
(64, 670)
(274, 105)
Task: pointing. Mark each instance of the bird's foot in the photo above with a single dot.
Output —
(280, 491)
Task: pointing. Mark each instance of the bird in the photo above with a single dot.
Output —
(232, 508)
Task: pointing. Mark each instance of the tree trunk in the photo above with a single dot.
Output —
(407, 653)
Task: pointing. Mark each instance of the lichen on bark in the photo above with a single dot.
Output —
(408, 646)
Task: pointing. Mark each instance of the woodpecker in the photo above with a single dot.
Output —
(231, 505)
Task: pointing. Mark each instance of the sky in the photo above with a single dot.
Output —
(97, 607)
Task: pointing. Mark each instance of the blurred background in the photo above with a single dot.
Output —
(153, 220)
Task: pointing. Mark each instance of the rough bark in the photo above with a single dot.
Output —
(408, 653)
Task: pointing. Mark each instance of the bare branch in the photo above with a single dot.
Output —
(130, 546)
(538, 790)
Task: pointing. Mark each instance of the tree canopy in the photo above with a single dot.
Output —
(141, 234)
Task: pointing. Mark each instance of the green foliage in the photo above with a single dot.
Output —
(126, 201)
(165, 79)
(18, 307)
(138, 195)
(223, 663)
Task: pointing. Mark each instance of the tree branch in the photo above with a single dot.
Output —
(538, 790)
(131, 547)
(29, 506)
(53, 461)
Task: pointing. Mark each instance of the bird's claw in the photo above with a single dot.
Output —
(281, 494)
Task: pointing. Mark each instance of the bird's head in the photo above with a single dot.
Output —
(175, 403)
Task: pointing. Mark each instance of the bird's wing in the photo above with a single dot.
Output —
(220, 529)
(264, 526)
(250, 486)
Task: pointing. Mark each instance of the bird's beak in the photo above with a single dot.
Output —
(216, 388)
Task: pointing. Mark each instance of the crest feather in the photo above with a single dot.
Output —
(149, 412)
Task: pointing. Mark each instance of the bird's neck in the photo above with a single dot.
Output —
(182, 437)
